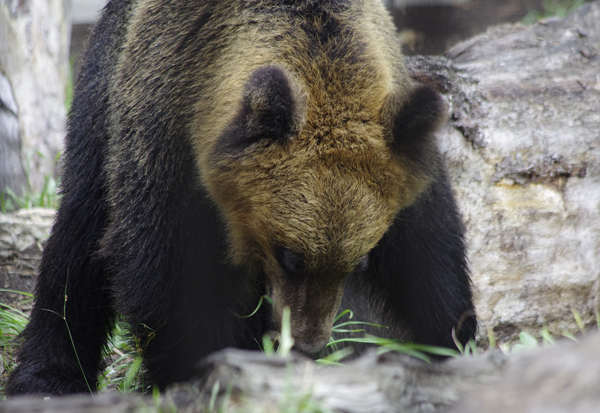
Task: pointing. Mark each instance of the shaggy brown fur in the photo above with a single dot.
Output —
(332, 191)
(222, 150)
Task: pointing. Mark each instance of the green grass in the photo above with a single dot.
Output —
(341, 348)
(552, 8)
(123, 365)
(282, 343)
(12, 322)
(528, 342)
(124, 357)
(124, 368)
(48, 197)
(124, 354)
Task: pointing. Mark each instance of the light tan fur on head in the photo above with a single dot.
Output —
(330, 190)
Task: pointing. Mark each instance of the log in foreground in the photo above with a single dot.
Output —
(563, 378)
(560, 379)
(237, 379)
(389, 382)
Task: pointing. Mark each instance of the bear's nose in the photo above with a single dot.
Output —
(313, 348)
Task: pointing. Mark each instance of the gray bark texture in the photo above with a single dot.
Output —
(561, 379)
(34, 67)
(22, 236)
(12, 174)
(523, 149)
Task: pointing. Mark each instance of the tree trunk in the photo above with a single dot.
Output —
(34, 68)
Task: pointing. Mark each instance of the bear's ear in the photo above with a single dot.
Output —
(271, 109)
(413, 120)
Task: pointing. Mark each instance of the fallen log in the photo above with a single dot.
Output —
(562, 378)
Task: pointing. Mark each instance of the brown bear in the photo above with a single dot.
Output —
(219, 151)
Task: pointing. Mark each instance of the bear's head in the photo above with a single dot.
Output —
(310, 176)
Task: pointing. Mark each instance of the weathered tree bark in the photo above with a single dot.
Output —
(12, 174)
(523, 146)
(564, 378)
(523, 149)
(560, 379)
(34, 67)
(22, 235)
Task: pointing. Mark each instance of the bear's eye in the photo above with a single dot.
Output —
(291, 264)
(289, 260)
